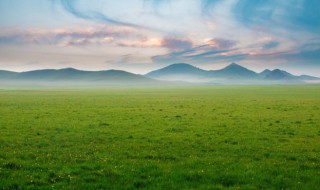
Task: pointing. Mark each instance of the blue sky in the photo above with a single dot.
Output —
(142, 35)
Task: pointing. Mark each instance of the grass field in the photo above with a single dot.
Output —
(244, 137)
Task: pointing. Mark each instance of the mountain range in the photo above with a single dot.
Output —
(73, 77)
(72, 74)
(233, 73)
(180, 73)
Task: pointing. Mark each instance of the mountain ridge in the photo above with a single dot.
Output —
(183, 72)
(71, 76)
(178, 71)
(231, 72)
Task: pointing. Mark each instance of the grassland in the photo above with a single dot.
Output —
(161, 138)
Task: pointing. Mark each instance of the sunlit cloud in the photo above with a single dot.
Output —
(68, 36)
(220, 43)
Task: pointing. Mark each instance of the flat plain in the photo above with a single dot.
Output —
(222, 137)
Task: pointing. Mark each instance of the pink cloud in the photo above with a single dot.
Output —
(173, 44)
(220, 43)
(177, 44)
(68, 36)
(146, 42)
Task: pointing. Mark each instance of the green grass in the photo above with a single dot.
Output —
(161, 138)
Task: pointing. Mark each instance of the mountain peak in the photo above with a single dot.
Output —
(266, 70)
(278, 74)
(235, 71)
(234, 66)
(281, 71)
(181, 70)
(181, 65)
(69, 69)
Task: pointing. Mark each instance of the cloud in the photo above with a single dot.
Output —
(207, 6)
(147, 42)
(72, 6)
(172, 44)
(156, 3)
(220, 43)
(78, 42)
(76, 36)
(124, 59)
(270, 45)
(192, 56)
(291, 14)
(80, 9)
(12, 39)
(176, 44)
(212, 50)
(92, 36)
(308, 53)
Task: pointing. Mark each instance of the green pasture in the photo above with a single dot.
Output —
(224, 137)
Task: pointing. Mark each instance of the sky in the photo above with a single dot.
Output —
(142, 35)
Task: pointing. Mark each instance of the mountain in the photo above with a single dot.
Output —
(181, 73)
(232, 74)
(74, 76)
(264, 73)
(189, 73)
(307, 77)
(278, 74)
(178, 72)
(6, 74)
(234, 71)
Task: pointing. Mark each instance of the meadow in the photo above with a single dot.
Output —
(223, 137)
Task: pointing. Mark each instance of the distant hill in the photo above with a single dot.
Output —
(74, 76)
(186, 72)
(307, 77)
(178, 72)
(278, 74)
(233, 71)
(264, 73)
(7, 74)
(232, 74)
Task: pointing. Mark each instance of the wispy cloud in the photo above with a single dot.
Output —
(79, 9)
(175, 44)
(294, 14)
(207, 6)
(172, 44)
(67, 36)
(271, 45)
(72, 7)
(220, 43)
(211, 50)
(147, 42)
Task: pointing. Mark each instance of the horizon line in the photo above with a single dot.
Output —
(65, 68)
